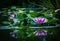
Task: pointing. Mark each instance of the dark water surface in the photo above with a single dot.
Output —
(5, 36)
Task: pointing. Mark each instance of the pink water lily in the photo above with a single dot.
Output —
(12, 16)
(40, 20)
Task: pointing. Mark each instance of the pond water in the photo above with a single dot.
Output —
(53, 34)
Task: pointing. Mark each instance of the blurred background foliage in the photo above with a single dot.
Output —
(31, 3)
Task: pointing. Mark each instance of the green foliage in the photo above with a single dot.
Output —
(57, 15)
(47, 4)
(20, 16)
(34, 14)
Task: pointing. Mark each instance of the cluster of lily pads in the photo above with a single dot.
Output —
(19, 15)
